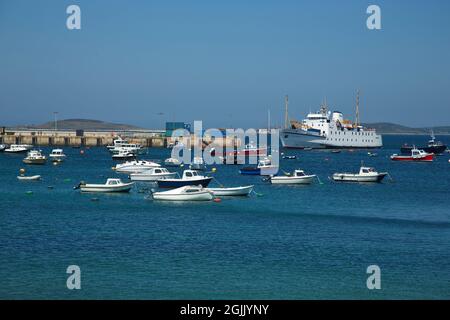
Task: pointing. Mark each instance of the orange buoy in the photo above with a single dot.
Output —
(217, 200)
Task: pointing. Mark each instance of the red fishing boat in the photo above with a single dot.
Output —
(416, 155)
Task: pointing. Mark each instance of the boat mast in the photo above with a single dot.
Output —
(357, 109)
(286, 117)
(268, 120)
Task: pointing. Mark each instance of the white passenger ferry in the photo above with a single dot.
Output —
(326, 129)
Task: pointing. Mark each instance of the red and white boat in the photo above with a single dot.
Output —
(416, 155)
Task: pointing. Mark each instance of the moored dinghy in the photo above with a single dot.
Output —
(186, 193)
(233, 191)
(366, 174)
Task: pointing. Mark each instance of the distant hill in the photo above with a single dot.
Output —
(84, 124)
(392, 128)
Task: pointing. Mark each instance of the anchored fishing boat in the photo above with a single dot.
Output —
(264, 168)
(189, 178)
(123, 155)
(57, 154)
(152, 174)
(366, 174)
(233, 191)
(416, 155)
(436, 147)
(111, 185)
(35, 157)
(297, 177)
(135, 166)
(185, 193)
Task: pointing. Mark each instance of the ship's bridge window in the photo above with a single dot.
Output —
(188, 174)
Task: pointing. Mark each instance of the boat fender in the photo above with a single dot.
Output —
(217, 200)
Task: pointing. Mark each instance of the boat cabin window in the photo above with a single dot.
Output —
(365, 171)
(194, 173)
(188, 174)
(157, 171)
(300, 174)
(112, 182)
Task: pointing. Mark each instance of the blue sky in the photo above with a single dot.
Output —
(223, 62)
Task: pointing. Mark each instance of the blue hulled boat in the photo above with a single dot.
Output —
(190, 178)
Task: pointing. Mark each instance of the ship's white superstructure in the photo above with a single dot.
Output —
(326, 129)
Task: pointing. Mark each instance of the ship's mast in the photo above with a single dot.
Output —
(286, 116)
(357, 109)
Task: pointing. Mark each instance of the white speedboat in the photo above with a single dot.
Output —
(57, 154)
(233, 191)
(111, 185)
(297, 177)
(172, 162)
(186, 193)
(35, 157)
(152, 174)
(18, 148)
(135, 166)
(366, 174)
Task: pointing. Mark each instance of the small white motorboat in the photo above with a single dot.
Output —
(233, 191)
(35, 157)
(297, 177)
(135, 166)
(28, 178)
(172, 162)
(152, 174)
(3, 147)
(186, 193)
(111, 185)
(57, 155)
(123, 155)
(18, 148)
(366, 174)
(266, 168)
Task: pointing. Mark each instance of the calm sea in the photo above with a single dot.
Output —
(288, 243)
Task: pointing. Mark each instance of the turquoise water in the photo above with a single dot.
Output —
(290, 243)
